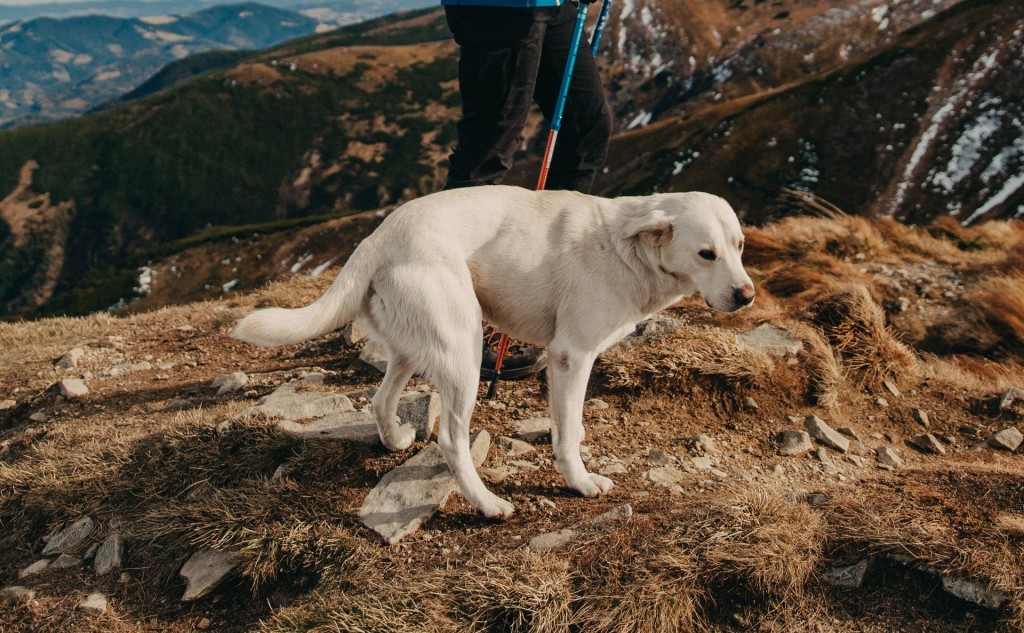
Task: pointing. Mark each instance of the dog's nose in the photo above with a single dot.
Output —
(744, 296)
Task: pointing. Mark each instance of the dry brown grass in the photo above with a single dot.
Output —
(856, 328)
(669, 362)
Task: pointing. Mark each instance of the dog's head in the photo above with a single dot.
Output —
(696, 238)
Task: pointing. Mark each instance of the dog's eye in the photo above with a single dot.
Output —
(708, 254)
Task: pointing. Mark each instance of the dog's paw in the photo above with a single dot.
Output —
(401, 439)
(496, 508)
(594, 485)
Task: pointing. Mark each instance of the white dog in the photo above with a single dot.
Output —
(558, 269)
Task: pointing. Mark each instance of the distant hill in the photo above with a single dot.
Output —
(56, 68)
(908, 112)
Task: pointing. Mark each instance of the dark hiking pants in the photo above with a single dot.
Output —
(511, 58)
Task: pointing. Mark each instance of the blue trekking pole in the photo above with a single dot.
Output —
(556, 125)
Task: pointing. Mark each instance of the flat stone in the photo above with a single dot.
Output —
(882, 402)
(928, 443)
(706, 444)
(93, 603)
(205, 570)
(497, 474)
(1012, 394)
(65, 561)
(353, 426)
(750, 403)
(772, 339)
(974, 591)
(108, 556)
(665, 476)
(37, 567)
(289, 402)
(825, 434)
(848, 577)
(6, 405)
(795, 443)
(533, 429)
(70, 537)
(1008, 439)
(921, 417)
(410, 494)
(16, 593)
(702, 463)
(354, 333)
(658, 457)
(72, 388)
(422, 411)
(124, 369)
(38, 416)
(595, 404)
(70, 358)
(551, 540)
(374, 356)
(229, 383)
(857, 460)
(511, 447)
(615, 515)
(614, 468)
(891, 387)
(885, 457)
(524, 464)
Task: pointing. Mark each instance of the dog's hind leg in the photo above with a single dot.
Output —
(458, 396)
(568, 372)
(393, 435)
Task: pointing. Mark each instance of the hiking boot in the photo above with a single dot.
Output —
(520, 360)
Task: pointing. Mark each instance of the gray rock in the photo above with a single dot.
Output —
(614, 468)
(291, 403)
(848, 577)
(65, 561)
(70, 537)
(596, 404)
(422, 411)
(108, 556)
(817, 500)
(6, 405)
(750, 403)
(857, 460)
(511, 447)
(850, 432)
(125, 369)
(702, 463)
(658, 457)
(921, 417)
(974, 591)
(882, 402)
(666, 476)
(72, 388)
(205, 570)
(892, 388)
(551, 540)
(826, 435)
(93, 603)
(705, 444)
(887, 458)
(410, 494)
(533, 429)
(928, 443)
(354, 426)
(1007, 399)
(772, 339)
(70, 358)
(795, 443)
(1008, 439)
(38, 416)
(373, 355)
(497, 474)
(615, 515)
(229, 383)
(37, 567)
(354, 333)
(16, 593)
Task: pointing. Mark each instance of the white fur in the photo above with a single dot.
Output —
(558, 269)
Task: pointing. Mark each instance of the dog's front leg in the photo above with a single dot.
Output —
(568, 373)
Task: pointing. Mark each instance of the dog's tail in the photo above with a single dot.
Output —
(336, 307)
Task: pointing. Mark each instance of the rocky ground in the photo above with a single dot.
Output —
(843, 456)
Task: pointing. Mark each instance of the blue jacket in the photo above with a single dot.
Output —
(511, 4)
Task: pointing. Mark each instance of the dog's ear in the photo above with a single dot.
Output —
(654, 229)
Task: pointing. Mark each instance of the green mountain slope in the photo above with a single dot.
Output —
(234, 147)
